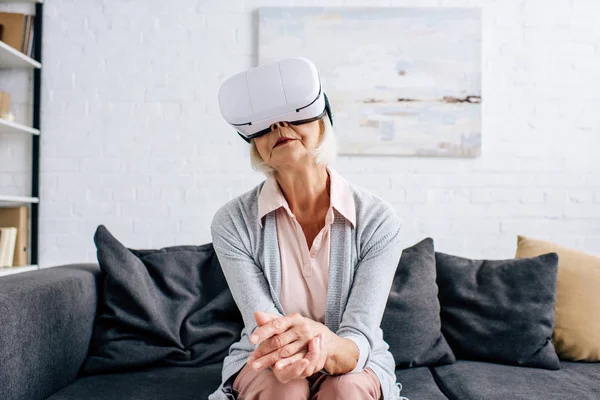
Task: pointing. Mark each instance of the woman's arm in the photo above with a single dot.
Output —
(372, 283)
(247, 282)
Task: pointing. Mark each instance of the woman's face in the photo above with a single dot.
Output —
(303, 139)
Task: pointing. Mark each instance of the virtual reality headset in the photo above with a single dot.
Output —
(286, 90)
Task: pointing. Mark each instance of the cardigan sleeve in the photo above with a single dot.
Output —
(246, 280)
(372, 283)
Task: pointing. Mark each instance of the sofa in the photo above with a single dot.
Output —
(48, 320)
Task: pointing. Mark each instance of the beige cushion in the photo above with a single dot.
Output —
(577, 320)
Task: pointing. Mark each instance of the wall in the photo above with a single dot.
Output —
(132, 137)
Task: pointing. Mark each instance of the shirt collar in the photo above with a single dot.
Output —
(340, 197)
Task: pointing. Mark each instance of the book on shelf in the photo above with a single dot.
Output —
(30, 40)
(8, 238)
(4, 104)
(17, 31)
(17, 217)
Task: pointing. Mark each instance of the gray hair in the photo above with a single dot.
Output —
(325, 153)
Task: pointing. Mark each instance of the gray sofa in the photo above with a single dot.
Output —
(46, 324)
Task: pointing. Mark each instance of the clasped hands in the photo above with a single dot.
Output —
(293, 346)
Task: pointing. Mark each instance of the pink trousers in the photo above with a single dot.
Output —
(263, 385)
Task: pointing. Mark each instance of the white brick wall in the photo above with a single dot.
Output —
(132, 137)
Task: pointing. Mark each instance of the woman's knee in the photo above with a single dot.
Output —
(297, 389)
(264, 385)
(350, 386)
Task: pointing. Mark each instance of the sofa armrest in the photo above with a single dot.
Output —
(46, 323)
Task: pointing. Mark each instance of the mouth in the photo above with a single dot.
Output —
(283, 141)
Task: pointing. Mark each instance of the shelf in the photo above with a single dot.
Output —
(21, 1)
(13, 58)
(15, 200)
(14, 127)
(15, 270)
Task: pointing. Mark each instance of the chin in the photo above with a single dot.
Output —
(292, 158)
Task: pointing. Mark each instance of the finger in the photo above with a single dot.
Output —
(313, 356)
(269, 359)
(323, 352)
(265, 361)
(274, 327)
(302, 364)
(291, 371)
(286, 362)
(319, 359)
(263, 317)
(275, 343)
(290, 349)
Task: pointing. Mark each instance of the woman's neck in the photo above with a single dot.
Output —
(306, 190)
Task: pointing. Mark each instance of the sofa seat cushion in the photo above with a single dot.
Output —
(183, 383)
(418, 383)
(156, 383)
(476, 380)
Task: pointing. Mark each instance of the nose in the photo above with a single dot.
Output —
(279, 124)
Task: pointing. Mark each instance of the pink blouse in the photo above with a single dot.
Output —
(304, 271)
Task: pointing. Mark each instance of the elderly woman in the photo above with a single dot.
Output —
(309, 258)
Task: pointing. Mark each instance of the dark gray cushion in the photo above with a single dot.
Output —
(418, 384)
(157, 383)
(474, 380)
(499, 310)
(168, 306)
(411, 322)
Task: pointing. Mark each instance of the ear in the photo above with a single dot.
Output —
(262, 317)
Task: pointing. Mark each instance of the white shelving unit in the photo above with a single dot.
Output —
(10, 201)
(21, 1)
(12, 59)
(14, 127)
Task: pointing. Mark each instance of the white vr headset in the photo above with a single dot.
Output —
(286, 90)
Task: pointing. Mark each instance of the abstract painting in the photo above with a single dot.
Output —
(401, 81)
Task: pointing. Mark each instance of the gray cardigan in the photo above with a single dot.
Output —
(363, 261)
